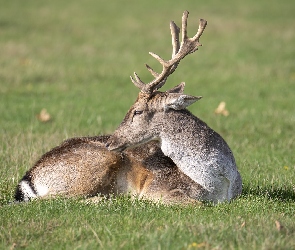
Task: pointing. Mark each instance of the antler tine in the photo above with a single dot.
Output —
(175, 38)
(202, 26)
(184, 26)
(137, 81)
(175, 30)
(175, 46)
(188, 45)
(154, 73)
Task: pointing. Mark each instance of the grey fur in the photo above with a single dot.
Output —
(197, 150)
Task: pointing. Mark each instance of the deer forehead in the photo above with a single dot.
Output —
(151, 102)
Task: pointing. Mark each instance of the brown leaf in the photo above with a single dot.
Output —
(198, 245)
(14, 245)
(279, 226)
(44, 116)
(202, 245)
(221, 110)
(25, 61)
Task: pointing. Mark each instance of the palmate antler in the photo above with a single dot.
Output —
(188, 46)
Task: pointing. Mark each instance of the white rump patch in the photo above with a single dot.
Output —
(27, 191)
(41, 190)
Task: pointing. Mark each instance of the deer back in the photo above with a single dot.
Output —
(84, 167)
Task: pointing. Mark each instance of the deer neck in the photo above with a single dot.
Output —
(184, 139)
(178, 135)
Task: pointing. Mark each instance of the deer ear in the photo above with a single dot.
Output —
(180, 101)
(177, 89)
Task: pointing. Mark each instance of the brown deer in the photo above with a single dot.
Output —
(198, 151)
(84, 166)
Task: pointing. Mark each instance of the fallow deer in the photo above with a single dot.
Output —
(84, 166)
(197, 150)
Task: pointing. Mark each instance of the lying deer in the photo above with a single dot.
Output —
(160, 152)
(84, 167)
(197, 150)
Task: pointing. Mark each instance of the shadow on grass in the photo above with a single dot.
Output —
(284, 194)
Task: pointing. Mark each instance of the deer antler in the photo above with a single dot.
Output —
(188, 46)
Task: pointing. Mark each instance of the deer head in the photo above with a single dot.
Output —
(146, 118)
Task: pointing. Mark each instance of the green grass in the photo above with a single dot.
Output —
(74, 58)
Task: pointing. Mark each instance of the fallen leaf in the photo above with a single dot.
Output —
(25, 61)
(14, 245)
(44, 116)
(279, 226)
(198, 245)
(203, 244)
(221, 110)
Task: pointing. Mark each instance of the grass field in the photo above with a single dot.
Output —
(74, 58)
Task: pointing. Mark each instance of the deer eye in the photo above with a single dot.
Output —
(138, 112)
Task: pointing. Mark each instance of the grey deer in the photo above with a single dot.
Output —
(197, 150)
(83, 166)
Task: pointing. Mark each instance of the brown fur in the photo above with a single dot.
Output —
(83, 166)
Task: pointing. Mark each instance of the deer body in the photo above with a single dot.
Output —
(84, 167)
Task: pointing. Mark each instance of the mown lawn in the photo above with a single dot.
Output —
(74, 59)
